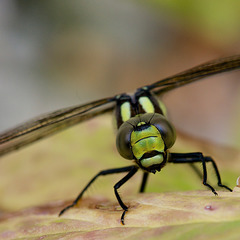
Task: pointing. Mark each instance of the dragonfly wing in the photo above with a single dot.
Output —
(196, 73)
(51, 123)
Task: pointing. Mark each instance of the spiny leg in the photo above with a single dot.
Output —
(144, 181)
(101, 173)
(191, 158)
(209, 159)
(118, 185)
(198, 157)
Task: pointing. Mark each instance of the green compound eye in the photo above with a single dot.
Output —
(166, 129)
(123, 140)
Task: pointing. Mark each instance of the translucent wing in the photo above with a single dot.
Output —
(48, 124)
(196, 73)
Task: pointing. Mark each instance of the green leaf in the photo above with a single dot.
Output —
(39, 181)
(175, 215)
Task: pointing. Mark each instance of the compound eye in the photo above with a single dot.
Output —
(166, 129)
(123, 141)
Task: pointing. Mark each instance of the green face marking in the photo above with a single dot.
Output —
(148, 162)
(146, 141)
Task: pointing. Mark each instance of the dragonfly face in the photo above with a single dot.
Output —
(144, 133)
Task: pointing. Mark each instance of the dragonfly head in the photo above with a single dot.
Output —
(145, 138)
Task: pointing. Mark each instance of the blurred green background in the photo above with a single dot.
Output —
(59, 53)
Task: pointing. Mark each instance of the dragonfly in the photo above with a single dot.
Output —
(145, 134)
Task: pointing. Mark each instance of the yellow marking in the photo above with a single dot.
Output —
(125, 111)
(141, 123)
(147, 162)
(163, 108)
(146, 140)
(146, 104)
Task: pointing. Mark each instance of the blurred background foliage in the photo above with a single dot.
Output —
(59, 53)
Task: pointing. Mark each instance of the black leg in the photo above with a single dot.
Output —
(209, 159)
(144, 181)
(198, 157)
(102, 173)
(118, 185)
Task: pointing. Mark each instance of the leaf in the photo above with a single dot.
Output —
(33, 179)
(190, 215)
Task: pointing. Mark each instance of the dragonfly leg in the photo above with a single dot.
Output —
(198, 157)
(118, 185)
(209, 159)
(101, 173)
(144, 181)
